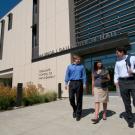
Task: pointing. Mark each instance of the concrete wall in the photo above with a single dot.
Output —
(54, 25)
(54, 33)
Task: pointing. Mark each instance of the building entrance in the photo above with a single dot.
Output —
(108, 59)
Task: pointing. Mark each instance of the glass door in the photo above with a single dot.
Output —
(108, 59)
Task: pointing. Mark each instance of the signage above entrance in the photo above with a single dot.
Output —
(89, 43)
(97, 38)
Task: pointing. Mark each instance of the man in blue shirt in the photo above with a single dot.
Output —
(75, 78)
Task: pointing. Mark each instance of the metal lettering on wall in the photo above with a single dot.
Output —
(88, 42)
(97, 38)
(46, 74)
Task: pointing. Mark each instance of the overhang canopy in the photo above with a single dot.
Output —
(108, 44)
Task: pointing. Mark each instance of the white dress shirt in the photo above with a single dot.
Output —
(121, 69)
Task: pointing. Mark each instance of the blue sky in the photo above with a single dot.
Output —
(7, 5)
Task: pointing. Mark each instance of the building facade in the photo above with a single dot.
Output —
(38, 37)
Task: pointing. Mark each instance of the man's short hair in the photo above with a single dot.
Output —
(122, 49)
(75, 56)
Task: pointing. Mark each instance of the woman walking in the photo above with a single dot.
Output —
(100, 78)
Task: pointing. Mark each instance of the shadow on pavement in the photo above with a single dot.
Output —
(108, 114)
(86, 112)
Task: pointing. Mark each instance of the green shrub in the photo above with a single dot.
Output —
(35, 99)
(31, 95)
(41, 98)
(7, 98)
(50, 96)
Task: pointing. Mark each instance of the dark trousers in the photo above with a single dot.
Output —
(76, 96)
(127, 90)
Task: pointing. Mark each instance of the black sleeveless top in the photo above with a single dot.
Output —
(98, 78)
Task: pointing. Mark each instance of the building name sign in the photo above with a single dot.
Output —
(82, 43)
(45, 74)
(98, 38)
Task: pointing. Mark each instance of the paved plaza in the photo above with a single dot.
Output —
(55, 118)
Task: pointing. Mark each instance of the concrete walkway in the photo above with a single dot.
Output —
(55, 118)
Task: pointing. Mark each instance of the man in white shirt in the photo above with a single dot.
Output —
(125, 80)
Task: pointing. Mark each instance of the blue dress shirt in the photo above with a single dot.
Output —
(75, 72)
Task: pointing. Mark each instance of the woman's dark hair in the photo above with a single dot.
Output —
(122, 49)
(95, 65)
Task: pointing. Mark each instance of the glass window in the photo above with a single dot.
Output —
(102, 16)
(10, 21)
(110, 6)
(128, 23)
(132, 39)
(110, 17)
(96, 33)
(128, 29)
(111, 29)
(126, 11)
(83, 38)
(83, 25)
(111, 23)
(126, 5)
(2, 37)
(35, 6)
(126, 17)
(35, 27)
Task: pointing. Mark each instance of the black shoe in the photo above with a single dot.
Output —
(78, 118)
(74, 115)
(121, 116)
(130, 124)
(95, 121)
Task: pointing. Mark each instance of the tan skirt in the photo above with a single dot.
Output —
(101, 95)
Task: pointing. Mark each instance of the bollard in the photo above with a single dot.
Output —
(19, 94)
(59, 90)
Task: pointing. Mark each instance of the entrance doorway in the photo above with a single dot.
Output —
(108, 59)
